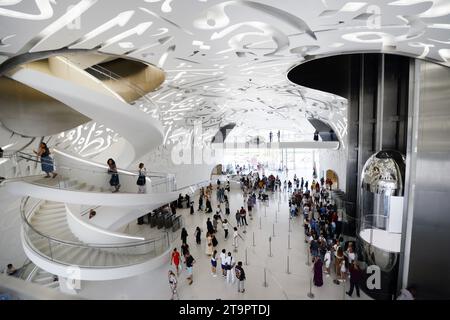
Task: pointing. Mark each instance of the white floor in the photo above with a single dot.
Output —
(280, 284)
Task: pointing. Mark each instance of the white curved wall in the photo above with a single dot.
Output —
(91, 234)
(95, 273)
(140, 129)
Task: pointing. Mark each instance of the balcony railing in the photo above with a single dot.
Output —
(91, 256)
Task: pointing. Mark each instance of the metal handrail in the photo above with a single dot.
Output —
(170, 238)
(28, 157)
(128, 244)
(115, 77)
(80, 244)
(155, 178)
(150, 174)
(31, 274)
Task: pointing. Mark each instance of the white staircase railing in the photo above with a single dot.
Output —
(91, 256)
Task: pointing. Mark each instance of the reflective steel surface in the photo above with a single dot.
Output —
(384, 173)
(430, 237)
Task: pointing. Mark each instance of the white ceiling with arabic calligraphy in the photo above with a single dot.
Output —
(226, 61)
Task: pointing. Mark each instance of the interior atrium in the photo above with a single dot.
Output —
(294, 149)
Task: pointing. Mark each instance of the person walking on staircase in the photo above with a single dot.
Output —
(46, 161)
(141, 181)
(112, 170)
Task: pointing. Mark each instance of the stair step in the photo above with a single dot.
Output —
(80, 186)
(121, 259)
(54, 205)
(56, 214)
(83, 259)
(60, 252)
(47, 219)
(51, 210)
(52, 285)
(49, 225)
(49, 214)
(102, 258)
(110, 259)
(45, 279)
(63, 234)
(94, 258)
(72, 255)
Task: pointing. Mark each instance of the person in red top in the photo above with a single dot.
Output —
(176, 260)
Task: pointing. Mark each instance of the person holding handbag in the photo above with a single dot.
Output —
(46, 160)
(142, 179)
(112, 170)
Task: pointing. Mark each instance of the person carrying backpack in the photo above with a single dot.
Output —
(229, 265)
(240, 275)
(141, 181)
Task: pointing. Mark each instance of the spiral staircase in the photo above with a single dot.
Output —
(57, 237)
(60, 239)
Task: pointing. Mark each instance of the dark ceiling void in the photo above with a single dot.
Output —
(333, 74)
(326, 133)
(329, 74)
(221, 135)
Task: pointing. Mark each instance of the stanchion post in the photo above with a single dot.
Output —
(289, 241)
(270, 246)
(290, 225)
(310, 294)
(253, 238)
(308, 261)
(343, 289)
(273, 229)
(246, 262)
(259, 223)
(287, 266)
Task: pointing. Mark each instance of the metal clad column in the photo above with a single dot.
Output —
(411, 157)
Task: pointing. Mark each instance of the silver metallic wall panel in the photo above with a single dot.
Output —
(429, 259)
